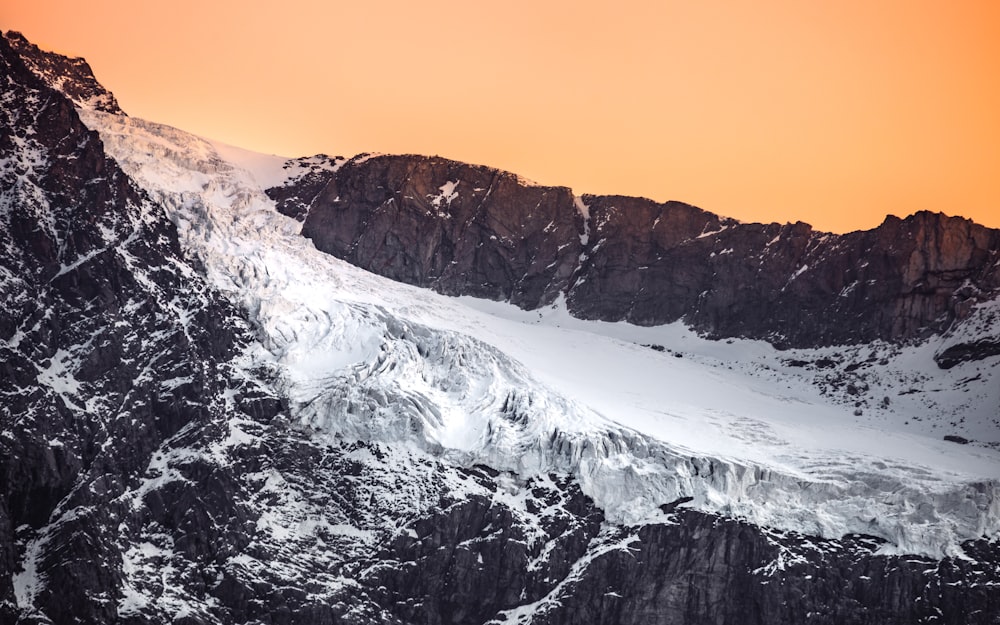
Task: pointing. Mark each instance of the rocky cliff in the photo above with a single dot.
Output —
(463, 229)
(460, 229)
(109, 345)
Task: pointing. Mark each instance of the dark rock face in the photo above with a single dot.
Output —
(287, 530)
(71, 76)
(705, 569)
(468, 560)
(644, 262)
(965, 352)
(459, 229)
(787, 284)
(631, 268)
(110, 345)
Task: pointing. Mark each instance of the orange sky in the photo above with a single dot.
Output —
(831, 112)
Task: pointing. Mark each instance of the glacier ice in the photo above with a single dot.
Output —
(534, 392)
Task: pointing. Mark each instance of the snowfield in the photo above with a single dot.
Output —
(639, 416)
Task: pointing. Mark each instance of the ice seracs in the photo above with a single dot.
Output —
(726, 424)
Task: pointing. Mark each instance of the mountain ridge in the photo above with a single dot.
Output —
(641, 261)
(625, 258)
(71, 76)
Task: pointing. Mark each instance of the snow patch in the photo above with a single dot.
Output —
(268, 170)
(448, 193)
(28, 581)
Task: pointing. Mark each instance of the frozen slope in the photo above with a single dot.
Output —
(731, 425)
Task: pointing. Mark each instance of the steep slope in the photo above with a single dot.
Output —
(331, 464)
(111, 344)
(464, 229)
(72, 77)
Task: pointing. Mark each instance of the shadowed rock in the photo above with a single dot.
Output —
(469, 230)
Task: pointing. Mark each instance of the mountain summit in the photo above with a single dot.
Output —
(398, 389)
(70, 76)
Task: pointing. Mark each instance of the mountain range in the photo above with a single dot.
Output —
(242, 388)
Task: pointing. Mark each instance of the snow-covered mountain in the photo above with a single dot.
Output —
(274, 434)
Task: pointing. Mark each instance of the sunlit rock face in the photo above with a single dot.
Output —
(788, 284)
(205, 420)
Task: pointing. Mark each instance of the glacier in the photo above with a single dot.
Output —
(728, 424)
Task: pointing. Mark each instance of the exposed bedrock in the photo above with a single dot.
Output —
(471, 230)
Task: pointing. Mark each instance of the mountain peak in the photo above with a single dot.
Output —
(71, 76)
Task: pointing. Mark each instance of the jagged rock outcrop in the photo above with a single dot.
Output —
(311, 175)
(462, 229)
(71, 76)
(457, 228)
(793, 286)
(964, 352)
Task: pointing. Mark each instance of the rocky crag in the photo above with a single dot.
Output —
(110, 344)
(471, 230)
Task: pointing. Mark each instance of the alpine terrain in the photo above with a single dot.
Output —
(239, 388)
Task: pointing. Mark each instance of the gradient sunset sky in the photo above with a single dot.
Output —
(834, 113)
